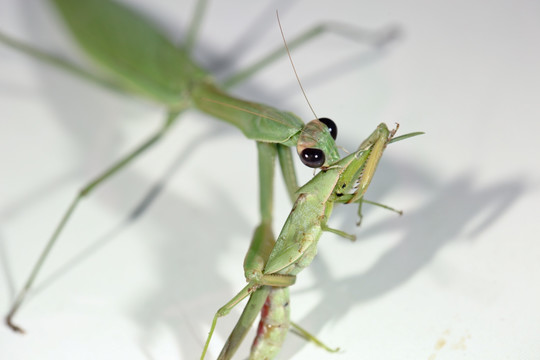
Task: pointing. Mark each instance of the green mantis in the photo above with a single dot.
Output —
(137, 59)
(271, 267)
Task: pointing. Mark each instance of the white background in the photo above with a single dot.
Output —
(456, 277)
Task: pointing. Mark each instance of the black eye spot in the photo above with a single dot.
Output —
(332, 127)
(312, 158)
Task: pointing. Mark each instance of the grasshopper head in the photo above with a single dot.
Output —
(359, 167)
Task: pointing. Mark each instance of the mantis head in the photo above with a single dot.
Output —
(316, 144)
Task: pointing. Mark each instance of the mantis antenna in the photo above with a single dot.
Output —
(292, 64)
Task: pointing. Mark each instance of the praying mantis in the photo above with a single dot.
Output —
(271, 266)
(137, 59)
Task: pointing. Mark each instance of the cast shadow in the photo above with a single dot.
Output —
(454, 206)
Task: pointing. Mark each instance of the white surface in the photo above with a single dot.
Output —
(457, 277)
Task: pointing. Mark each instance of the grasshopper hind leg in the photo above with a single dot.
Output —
(304, 334)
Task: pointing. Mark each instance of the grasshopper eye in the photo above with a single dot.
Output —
(312, 157)
(332, 127)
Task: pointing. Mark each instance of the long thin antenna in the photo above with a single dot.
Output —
(292, 64)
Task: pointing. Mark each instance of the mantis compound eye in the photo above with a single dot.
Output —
(332, 127)
(314, 146)
(312, 158)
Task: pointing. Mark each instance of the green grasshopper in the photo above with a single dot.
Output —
(271, 267)
(137, 59)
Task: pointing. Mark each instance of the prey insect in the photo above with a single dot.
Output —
(271, 266)
(137, 59)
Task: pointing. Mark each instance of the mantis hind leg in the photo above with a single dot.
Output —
(58, 62)
(195, 24)
(376, 39)
(87, 189)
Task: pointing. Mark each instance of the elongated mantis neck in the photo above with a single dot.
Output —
(257, 121)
